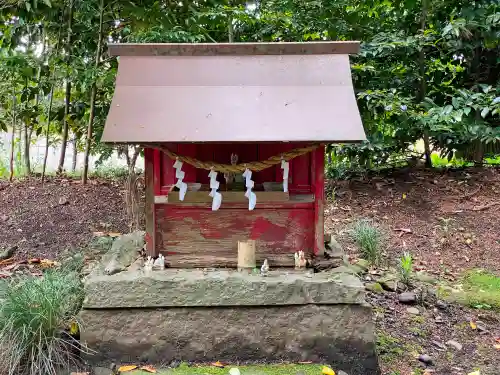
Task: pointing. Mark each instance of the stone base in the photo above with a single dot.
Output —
(132, 317)
(341, 336)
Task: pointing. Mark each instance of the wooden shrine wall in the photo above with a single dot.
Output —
(300, 167)
(200, 237)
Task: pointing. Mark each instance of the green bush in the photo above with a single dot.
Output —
(36, 315)
(369, 239)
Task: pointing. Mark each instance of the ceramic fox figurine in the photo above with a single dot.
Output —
(300, 260)
(265, 268)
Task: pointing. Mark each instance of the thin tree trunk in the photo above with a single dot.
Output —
(68, 90)
(93, 94)
(49, 111)
(26, 153)
(75, 154)
(12, 138)
(423, 84)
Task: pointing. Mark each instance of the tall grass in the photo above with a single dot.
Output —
(369, 239)
(35, 316)
(406, 268)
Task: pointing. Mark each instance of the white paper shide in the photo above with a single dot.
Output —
(249, 194)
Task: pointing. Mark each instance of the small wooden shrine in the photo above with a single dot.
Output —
(233, 138)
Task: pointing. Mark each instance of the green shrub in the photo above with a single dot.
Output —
(369, 239)
(406, 268)
(35, 317)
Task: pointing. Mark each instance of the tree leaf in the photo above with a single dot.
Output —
(127, 368)
(148, 368)
(485, 112)
(472, 325)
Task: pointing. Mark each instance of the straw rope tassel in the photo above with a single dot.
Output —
(255, 166)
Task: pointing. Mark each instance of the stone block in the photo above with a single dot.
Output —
(181, 288)
(341, 336)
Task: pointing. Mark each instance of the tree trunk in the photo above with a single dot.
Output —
(47, 133)
(26, 153)
(423, 84)
(75, 154)
(93, 94)
(12, 138)
(68, 90)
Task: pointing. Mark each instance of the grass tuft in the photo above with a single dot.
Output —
(369, 239)
(406, 268)
(35, 317)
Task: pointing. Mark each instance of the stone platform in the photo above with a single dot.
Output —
(209, 315)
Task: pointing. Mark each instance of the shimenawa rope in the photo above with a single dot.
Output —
(254, 166)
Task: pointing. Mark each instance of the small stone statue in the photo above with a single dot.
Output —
(159, 263)
(148, 265)
(300, 260)
(264, 270)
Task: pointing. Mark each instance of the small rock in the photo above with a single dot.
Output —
(340, 372)
(4, 218)
(101, 371)
(424, 358)
(389, 284)
(175, 363)
(438, 319)
(8, 253)
(234, 371)
(363, 264)
(439, 344)
(413, 310)
(454, 344)
(407, 297)
(374, 287)
(441, 305)
(63, 201)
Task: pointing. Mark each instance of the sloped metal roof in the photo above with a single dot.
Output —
(248, 92)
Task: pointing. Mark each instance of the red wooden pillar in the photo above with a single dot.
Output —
(151, 174)
(318, 165)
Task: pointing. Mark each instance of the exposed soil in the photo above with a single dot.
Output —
(46, 220)
(449, 221)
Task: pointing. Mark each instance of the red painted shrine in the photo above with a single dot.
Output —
(268, 108)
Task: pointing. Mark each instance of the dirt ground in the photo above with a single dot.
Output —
(448, 220)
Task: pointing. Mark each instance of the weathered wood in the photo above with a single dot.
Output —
(233, 49)
(246, 254)
(228, 196)
(200, 260)
(150, 211)
(319, 201)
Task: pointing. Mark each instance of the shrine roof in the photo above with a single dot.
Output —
(234, 92)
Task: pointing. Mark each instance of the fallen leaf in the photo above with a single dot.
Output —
(474, 373)
(404, 196)
(148, 368)
(47, 263)
(79, 373)
(473, 326)
(305, 363)
(34, 261)
(127, 368)
(327, 371)
(497, 346)
(497, 339)
(405, 230)
(218, 364)
(114, 234)
(98, 234)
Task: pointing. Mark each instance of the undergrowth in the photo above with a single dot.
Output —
(482, 289)
(36, 317)
(369, 239)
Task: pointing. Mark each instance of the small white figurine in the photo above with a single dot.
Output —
(300, 260)
(265, 268)
(159, 263)
(148, 265)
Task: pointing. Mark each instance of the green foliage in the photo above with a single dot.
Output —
(34, 318)
(369, 240)
(482, 289)
(406, 268)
